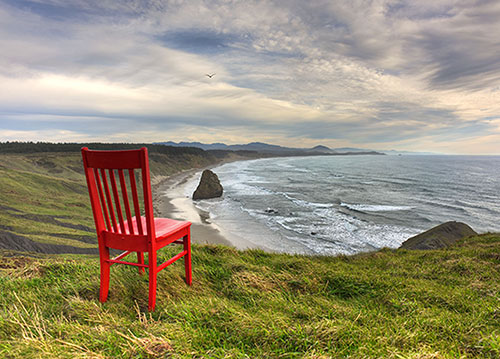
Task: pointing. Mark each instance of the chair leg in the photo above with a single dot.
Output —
(105, 269)
(152, 281)
(187, 258)
(140, 260)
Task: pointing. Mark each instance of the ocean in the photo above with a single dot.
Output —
(332, 205)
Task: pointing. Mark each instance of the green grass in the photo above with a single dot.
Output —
(38, 206)
(251, 304)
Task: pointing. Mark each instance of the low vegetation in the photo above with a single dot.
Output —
(251, 304)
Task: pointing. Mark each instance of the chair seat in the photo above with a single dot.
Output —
(163, 226)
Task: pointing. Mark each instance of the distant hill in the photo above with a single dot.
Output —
(321, 148)
(41, 147)
(387, 152)
(253, 146)
(273, 149)
(203, 146)
(351, 149)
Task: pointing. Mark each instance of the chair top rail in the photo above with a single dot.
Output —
(126, 159)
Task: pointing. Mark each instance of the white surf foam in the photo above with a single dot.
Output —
(375, 207)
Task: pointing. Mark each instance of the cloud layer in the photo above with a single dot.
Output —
(377, 74)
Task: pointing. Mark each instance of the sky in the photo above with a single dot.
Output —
(408, 75)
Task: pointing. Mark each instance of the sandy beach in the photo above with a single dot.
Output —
(171, 201)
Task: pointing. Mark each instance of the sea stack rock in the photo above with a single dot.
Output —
(441, 236)
(209, 186)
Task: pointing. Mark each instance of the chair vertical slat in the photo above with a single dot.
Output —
(108, 198)
(148, 198)
(103, 201)
(137, 209)
(125, 201)
(117, 199)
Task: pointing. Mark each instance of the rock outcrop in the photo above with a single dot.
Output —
(441, 236)
(209, 186)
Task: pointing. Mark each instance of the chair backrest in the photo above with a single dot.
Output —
(112, 211)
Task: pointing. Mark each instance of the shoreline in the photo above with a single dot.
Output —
(170, 201)
(229, 227)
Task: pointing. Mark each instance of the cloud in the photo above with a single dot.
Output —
(379, 72)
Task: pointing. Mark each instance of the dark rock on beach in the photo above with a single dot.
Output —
(209, 186)
(441, 236)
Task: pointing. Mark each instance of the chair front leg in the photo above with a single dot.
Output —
(105, 269)
(152, 280)
(187, 258)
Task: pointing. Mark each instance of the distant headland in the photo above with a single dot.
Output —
(276, 150)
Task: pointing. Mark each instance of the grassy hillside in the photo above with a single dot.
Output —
(243, 304)
(251, 304)
(44, 202)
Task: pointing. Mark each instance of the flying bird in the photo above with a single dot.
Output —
(210, 76)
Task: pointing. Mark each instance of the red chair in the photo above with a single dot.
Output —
(130, 233)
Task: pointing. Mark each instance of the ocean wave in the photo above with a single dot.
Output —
(301, 170)
(375, 207)
(333, 232)
(441, 203)
(464, 204)
(243, 189)
(307, 204)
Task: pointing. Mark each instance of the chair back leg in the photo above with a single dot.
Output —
(187, 258)
(140, 260)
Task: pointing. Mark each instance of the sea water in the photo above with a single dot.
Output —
(349, 204)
